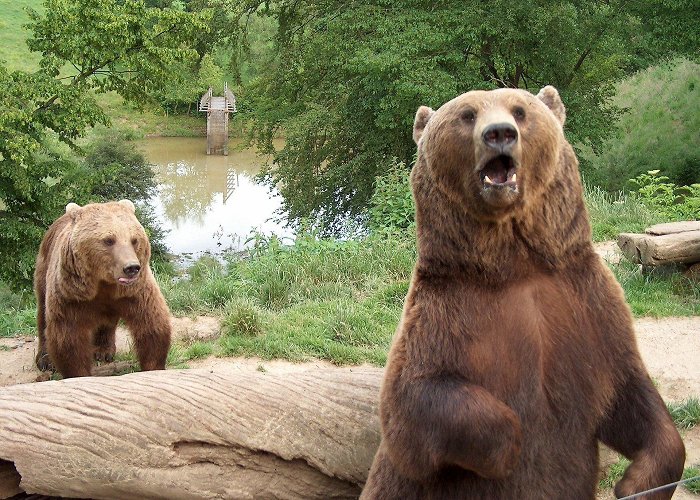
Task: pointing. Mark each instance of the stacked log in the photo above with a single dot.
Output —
(676, 243)
(216, 433)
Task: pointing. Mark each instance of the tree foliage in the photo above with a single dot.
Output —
(347, 77)
(86, 47)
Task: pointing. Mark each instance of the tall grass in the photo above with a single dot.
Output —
(612, 214)
(334, 300)
(657, 295)
(17, 313)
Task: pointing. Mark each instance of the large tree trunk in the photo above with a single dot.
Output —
(215, 433)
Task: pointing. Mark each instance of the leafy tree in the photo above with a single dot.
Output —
(349, 75)
(86, 46)
(190, 81)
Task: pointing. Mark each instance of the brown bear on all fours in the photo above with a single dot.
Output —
(92, 270)
(515, 355)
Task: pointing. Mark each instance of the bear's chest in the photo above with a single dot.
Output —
(530, 343)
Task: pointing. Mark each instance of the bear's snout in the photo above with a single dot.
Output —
(132, 270)
(500, 136)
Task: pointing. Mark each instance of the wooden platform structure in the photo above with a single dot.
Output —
(217, 109)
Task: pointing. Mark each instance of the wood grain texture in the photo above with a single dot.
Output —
(215, 433)
(673, 227)
(649, 250)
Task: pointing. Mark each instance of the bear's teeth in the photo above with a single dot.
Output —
(487, 180)
(513, 178)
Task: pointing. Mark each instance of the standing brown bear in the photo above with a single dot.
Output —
(515, 354)
(92, 270)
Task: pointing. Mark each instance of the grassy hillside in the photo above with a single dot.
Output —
(13, 49)
(659, 131)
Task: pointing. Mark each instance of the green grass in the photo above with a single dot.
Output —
(17, 322)
(13, 35)
(137, 124)
(692, 486)
(17, 314)
(612, 214)
(685, 414)
(339, 301)
(657, 295)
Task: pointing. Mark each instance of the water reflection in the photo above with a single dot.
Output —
(208, 202)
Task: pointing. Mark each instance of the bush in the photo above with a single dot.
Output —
(672, 202)
(392, 206)
(242, 317)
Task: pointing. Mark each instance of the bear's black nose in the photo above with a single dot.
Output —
(500, 136)
(132, 270)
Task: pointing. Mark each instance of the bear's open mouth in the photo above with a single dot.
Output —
(499, 172)
(127, 281)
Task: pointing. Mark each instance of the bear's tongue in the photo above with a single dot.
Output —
(496, 173)
(499, 170)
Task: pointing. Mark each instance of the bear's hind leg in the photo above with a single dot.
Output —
(104, 340)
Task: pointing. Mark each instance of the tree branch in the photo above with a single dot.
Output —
(595, 39)
(85, 74)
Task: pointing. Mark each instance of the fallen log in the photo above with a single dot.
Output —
(650, 250)
(673, 227)
(215, 433)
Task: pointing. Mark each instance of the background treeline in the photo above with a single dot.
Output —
(341, 81)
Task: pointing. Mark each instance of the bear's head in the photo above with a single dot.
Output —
(107, 244)
(492, 152)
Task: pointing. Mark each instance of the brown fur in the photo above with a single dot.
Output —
(79, 295)
(515, 354)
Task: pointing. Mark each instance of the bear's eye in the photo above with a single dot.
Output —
(469, 116)
(519, 113)
(109, 241)
(134, 241)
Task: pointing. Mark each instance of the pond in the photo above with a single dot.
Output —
(210, 203)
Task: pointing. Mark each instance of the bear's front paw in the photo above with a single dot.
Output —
(105, 354)
(500, 450)
(43, 362)
(505, 455)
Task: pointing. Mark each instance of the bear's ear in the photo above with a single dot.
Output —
(550, 97)
(422, 117)
(72, 207)
(129, 204)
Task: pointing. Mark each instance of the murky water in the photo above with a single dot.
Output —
(209, 203)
